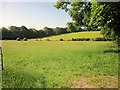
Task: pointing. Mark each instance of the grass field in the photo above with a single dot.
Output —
(53, 64)
(85, 34)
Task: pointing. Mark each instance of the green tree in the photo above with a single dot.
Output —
(106, 15)
(76, 10)
(14, 31)
(94, 14)
(49, 31)
(59, 30)
(24, 32)
(71, 27)
(5, 33)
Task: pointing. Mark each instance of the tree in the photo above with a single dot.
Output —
(24, 32)
(14, 32)
(76, 10)
(5, 33)
(111, 20)
(106, 15)
(49, 31)
(94, 14)
(42, 33)
(71, 27)
(59, 30)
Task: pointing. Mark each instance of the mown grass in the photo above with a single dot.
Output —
(85, 34)
(43, 64)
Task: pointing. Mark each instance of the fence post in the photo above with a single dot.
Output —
(1, 58)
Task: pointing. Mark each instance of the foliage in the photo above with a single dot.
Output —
(24, 39)
(61, 39)
(47, 39)
(80, 39)
(71, 27)
(18, 39)
(13, 32)
(49, 31)
(94, 14)
(76, 10)
(59, 30)
(107, 15)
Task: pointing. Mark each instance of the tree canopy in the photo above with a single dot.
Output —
(100, 15)
(13, 32)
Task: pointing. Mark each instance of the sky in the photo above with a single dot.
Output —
(32, 15)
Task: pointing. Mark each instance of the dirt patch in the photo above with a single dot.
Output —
(105, 81)
(95, 82)
(82, 82)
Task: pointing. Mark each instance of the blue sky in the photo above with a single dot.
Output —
(32, 15)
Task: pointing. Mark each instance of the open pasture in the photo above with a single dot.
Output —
(53, 64)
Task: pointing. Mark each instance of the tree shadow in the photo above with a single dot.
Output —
(21, 79)
(112, 51)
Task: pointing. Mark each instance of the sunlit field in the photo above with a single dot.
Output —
(85, 34)
(60, 64)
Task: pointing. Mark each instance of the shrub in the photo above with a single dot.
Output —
(68, 40)
(47, 39)
(40, 39)
(96, 39)
(61, 39)
(80, 39)
(36, 39)
(99, 39)
(73, 39)
(24, 39)
(18, 39)
(109, 39)
(86, 39)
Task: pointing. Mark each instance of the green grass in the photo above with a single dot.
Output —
(40, 64)
(86, 34)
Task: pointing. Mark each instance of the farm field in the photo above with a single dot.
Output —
(63, 64)
(85, 34)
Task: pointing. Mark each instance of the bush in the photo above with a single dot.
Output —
(24, 39)
(73, 39)
(109, 39)
(40, 39)
(68, 40)
(86, 39)
(18, 39)
(99, 39)
(61, 39)
(36, 39)
(80, 39)
(47, 39)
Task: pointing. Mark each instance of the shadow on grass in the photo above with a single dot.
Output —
(21, 79)
(112, 51)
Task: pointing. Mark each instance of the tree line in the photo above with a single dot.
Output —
(13, 32)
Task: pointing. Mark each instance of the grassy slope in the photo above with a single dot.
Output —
(91, 34)
(58, 64)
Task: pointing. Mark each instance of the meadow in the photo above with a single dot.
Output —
(68, 36)
(60, 64)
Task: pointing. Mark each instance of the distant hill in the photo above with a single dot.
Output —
(85, 34)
